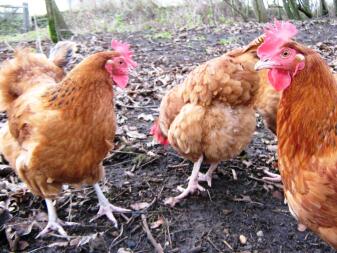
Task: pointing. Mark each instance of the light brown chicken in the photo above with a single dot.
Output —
(59, 132)
(210, 117)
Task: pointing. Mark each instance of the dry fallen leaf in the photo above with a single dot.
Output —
(146, 117)
(133, 133)
(157, 223)
(139, 206)
(124, 250)
(247, 163)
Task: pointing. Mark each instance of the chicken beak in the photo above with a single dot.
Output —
(266, 64)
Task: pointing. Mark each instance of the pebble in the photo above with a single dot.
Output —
(260, 233)
(124, 250)
(243, 239)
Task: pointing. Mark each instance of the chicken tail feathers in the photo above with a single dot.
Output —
(62, 53)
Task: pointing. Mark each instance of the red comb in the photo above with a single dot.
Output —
(275, 36)
(124, 50)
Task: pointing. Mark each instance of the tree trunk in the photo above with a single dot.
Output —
(294, 9)
(260, 10)
(287, 9)
(236, 10)
(58, 28)
(304, 7)
(335, 7)
(323, 8)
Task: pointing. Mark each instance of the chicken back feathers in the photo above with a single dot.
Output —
(267, 99)
(223, 79)
(211, 112)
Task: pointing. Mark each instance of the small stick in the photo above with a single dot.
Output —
(9, 46)
(38, 39)
(235, 177)
(227, 244)
(119, 236)
(178, 166)
(157, 246)
(266, 182)
(168, 231)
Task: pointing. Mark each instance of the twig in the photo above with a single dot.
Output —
(9, 46)
(227, 244)
(266, 182)
(158, 248)
(212, 243)
(152, 160)
(121, 240)
(235, 177)
(38, 39)
(196, 250)
(168, 231)
(244, 17)
(178, 165)
(119, 236)
(134, 106)
(37, 249)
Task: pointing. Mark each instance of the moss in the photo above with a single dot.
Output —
(52, 30)
(163, 35)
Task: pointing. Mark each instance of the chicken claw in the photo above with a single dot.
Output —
(272, 177)
(192, 187)
(52, 226)
(53, 222)
(106, 208)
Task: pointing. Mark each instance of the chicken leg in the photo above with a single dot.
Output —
(106, 208)
(207, 177)
(193, 185)
(54, 224)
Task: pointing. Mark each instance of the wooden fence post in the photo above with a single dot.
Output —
(26, 23)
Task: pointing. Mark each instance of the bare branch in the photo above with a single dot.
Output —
(244, 17)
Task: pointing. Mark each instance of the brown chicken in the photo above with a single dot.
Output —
(210, 116)
(267, 99)
(306, 128)
(59, 132)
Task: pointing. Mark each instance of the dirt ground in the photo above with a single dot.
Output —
(141, 172)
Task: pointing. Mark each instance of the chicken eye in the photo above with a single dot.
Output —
(285, 54)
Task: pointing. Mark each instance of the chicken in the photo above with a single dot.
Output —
(59, 132)
(306, 128)
(210, 116)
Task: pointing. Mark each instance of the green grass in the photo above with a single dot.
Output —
(226, 42)
(163, 35)
(29, 36)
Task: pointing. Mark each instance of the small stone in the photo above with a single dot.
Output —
(260, 233)
(243, 239)
(124, 250)
(227, 211)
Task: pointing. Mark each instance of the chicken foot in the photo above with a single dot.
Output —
(272, 177)
(54, 223)
(106, 208)
(207, 177)
(193, 185)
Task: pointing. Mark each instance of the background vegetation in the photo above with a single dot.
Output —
(121, 16)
